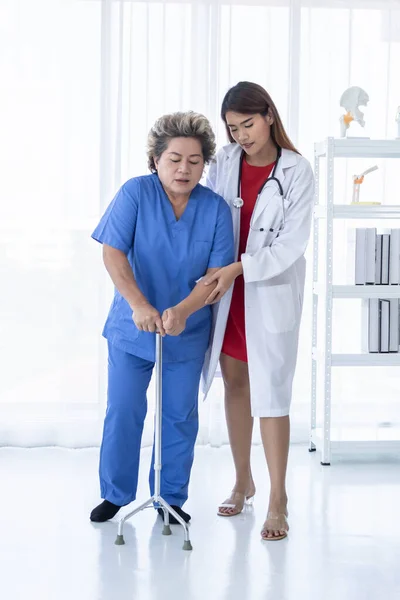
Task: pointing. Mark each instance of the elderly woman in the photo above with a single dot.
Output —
(161, 234)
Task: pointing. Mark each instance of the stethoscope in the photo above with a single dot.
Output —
(238, 202)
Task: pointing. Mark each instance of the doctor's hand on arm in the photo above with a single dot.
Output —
(144, 315)
(223, 278)
(174, 318)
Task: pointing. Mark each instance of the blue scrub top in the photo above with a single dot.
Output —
(167, 257)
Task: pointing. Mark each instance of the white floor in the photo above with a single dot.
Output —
(344, 541)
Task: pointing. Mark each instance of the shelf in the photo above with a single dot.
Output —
(363, 211)
(361, 438)
(359, 148)
(347, 437)
(361, 291)
(386, 359)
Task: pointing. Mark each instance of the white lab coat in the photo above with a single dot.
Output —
(274, 274)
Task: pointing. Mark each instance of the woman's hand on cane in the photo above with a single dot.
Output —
(147, 318)
(174, 321)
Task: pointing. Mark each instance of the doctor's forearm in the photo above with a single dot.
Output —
(197, 297)
(121, 273)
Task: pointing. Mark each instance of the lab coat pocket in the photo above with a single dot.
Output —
(275, 220)
(269, 224)
(277, 307)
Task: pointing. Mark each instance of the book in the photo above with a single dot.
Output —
(378, 260)
(365, 256)
(384, 328)
(394, 257)
(360, 252)
(371, 325)
(394, 325)
(370, 255)
(385, 258)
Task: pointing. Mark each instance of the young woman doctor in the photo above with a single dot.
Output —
(269, 187)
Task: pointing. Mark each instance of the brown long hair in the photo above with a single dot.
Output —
(249, 99)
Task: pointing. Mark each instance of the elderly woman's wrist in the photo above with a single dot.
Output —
(184, 309)
(136, 303)
(238, 268)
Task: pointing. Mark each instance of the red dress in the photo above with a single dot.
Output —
(234, 344)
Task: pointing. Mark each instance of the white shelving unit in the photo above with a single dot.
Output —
(327, 439)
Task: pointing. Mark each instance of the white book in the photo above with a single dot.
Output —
(370, 325)
(385, 320)
(378, 259)
(365, 325)
(394, 325)
(370, 255)
(394, 257)
(350, 255)
(361, 247)
(399, 325)
(385, 258)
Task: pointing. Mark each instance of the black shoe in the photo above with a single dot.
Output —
(172, 520)
(104, 511)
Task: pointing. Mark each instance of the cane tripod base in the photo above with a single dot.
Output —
(168, 510)
(120, 540)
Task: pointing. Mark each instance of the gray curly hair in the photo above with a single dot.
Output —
(180, 124)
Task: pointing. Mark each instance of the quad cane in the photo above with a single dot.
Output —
(157, 499)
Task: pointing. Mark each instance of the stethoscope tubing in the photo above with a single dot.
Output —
(238, 202)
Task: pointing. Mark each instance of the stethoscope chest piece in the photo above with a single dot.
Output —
(238, 203)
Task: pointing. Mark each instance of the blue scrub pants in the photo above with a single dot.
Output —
(128, 379)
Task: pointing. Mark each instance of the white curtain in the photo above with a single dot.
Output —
(81, 84)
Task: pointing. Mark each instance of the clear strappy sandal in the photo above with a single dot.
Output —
(275, 522)
(236, 503)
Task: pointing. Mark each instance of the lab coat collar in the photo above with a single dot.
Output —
(288, 158)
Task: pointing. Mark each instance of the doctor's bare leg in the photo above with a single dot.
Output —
(275, 434)
(240, 427)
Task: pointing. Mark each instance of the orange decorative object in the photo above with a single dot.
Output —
(347, 118)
